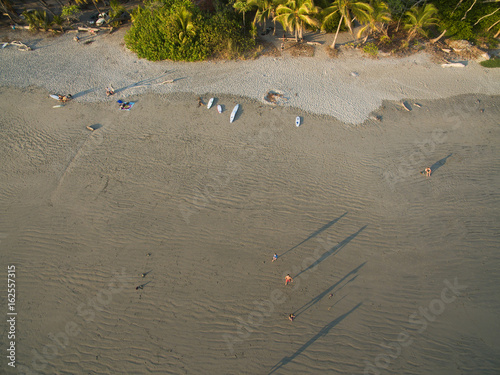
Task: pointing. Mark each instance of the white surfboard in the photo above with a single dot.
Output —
(219, 108)
(297, 121)
(233, 114)
(54, 96)
(58, 106)
(210, 103)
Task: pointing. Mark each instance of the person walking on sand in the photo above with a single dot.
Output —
(428, 172)
(275, 257)
(291, 317)
(288, 279)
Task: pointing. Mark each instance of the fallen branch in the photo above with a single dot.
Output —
(19, 45)
(439, 37)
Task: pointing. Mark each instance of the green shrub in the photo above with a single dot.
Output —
(37, 19)
(70, 12)
(370, 49)
(468, 19)
(116, 12)
(491, 63)
(179, 30)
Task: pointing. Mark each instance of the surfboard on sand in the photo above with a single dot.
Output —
(219, 108)
(54, 96)
(210, 103)
(58, 106)
(297, 121)
(233, 114)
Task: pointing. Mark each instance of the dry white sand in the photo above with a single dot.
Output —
(173, 190)
(320, 85)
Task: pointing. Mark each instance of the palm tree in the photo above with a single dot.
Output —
(296, 14)
(348, 10)
(377, 23)
(243, 6)
(7, 9)
(184, 23)
(78, 2)
(418, 19)
(266, 9)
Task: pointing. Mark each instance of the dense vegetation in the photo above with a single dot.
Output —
(179, 30)
(182, 30)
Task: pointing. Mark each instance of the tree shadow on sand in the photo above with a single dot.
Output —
(320, 296)
(439, 163)
(332, 251)
(323, 332)
(314, 234)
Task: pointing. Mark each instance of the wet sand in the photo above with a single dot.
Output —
(393, 272)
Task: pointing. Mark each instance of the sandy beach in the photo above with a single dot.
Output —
(145, 246)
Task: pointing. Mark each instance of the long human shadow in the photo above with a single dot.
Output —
(439, 163)
(314, 234)
(83, 93)
(332, 251)
(320, 296)
(144, 82)
(323, 332)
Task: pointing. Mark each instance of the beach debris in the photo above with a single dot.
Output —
(314, 43)
(274, 97)
(91, 30)
(418, 105)
(200, 102)
(355, 74)
(406, 106)
(453, 65)
(20, 46)
(375, 117)
(88, 42)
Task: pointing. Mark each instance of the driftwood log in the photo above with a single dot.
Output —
(21, 46)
